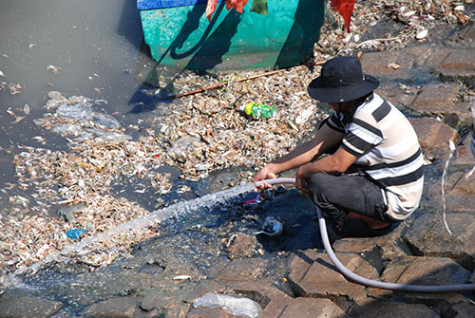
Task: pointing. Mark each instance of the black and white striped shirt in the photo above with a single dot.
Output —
(387, 148)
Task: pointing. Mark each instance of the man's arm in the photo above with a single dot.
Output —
(336, 163)
(325, 138)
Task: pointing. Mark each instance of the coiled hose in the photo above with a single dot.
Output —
(362, 280)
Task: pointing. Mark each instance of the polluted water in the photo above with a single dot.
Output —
(133, 229)
(74, 47)
(190, 248)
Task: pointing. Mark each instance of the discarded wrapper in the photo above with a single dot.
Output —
(44, 250)
(75, 234)
(254, 201)
(271, 227)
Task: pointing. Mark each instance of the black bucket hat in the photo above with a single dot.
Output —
(342, 80)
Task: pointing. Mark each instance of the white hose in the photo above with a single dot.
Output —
(362, 280)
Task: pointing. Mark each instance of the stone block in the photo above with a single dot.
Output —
(428, 236)
(436, 99)
(422, 53)
(396, 97)
(421, 270)
(274, 309)
(312, 308)
(464, 158)
(464, 309)
(207, 313)
(434, 136)
(29, 307)
(465, 185)
(301, 262)
(383, 63)
(459, 192)
(204, 287)
(354, 245)
(115, 307)
(459, 201)
(259, 290)
(425, 55)
(469, 33)
(322, 279)
(272, 300)
(379, 309)
(177, 310)
(243, 269)
(459, 65)
(459, 61)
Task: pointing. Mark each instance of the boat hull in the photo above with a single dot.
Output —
(181, 36)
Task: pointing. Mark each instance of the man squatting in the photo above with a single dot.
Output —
(373, 170)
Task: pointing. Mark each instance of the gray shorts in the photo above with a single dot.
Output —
(338, 195)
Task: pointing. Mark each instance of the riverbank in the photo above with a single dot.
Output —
(432, 81)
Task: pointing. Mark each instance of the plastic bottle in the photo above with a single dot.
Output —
(259, 110)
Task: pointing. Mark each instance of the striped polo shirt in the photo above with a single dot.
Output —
(388, 151)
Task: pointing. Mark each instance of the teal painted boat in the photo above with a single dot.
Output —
(179, 34)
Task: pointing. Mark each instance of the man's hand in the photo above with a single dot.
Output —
(265, 173)
(302, 176)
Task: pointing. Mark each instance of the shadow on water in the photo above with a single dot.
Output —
(129, 25)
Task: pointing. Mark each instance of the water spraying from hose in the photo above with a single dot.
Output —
(444, 176)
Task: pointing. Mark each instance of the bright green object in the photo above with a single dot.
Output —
(259, 110)
(183, 37)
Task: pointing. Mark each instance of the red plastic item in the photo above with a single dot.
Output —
(238, 5)
(345, 8)
(210, 7)
(258, 199)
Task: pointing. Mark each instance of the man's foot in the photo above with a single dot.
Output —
(369, 222)
(376, 225)
(349, 227)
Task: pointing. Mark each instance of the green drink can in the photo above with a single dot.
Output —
(257, 110)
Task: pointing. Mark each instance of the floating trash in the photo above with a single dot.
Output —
(233, 305)
(422, 34)
(258, 110)
(43, 251)
(254, 201)
(75, 234)
(271, 227)
(182, 277)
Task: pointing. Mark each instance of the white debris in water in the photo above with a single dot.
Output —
(233, 305)
(182, 277)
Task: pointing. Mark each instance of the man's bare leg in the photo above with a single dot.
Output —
(370, 222)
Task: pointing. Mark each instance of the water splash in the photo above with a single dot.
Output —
(145, 222)
(444, 175)
(472, 133)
